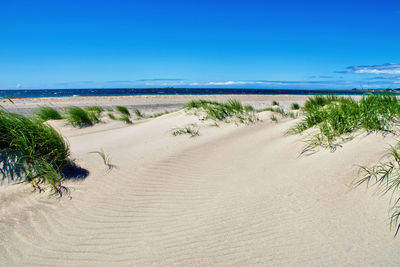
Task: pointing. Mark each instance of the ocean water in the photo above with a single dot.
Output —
(25, 93)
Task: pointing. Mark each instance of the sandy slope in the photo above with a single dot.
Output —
(233, 196)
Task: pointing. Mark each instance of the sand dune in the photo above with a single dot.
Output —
(235, 195)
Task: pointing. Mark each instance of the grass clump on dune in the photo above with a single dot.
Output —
(111, 116)
(96, 109)
(274, 118)
(191, 130)
(47, 113)
(231, 109)
(138, 113)
(156, 115)
(79, 117)
(319, 101)
(276, 110)
(295, 106)
(125, 118)
(123, 110)
(280, 111)
(32, 151)
(337, 117)
(122, 115)
(249, 108)
(386, 177)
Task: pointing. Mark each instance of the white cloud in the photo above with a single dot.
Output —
(322, 83)
(173, 83)
(18, 86)
(160, 80)
(389, 68)
(232, 83)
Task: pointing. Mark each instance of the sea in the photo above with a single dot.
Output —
(28, 93)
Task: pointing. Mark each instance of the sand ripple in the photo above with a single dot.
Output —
(233, 196)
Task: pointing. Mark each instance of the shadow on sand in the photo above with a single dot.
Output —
(73, 172)
(13, 171)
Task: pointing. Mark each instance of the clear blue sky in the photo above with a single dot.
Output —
(247, 44)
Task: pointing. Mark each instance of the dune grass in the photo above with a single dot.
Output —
(79, 117)
(32, 151)
(123, 115)
(386, 177)
(191, 130)
(319, 101)
(249, 108)
(10, 100)
(275, 103)
(336, 118)
(96, 109)
(293, 115)
(138, 113)
(123, 110)
(295, 106)
(280, 111)
(232, 109)
(111, 116)
(274, 118)
(47, 113)
(106, 158)
(156, 115)
(125, 118)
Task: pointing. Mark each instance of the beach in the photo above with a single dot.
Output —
(235, 195)
(148, 103)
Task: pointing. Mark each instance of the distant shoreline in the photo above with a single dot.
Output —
(36, 93)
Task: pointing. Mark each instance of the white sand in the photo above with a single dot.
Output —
(234, 196)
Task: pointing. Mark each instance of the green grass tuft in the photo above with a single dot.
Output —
(231, 109)
(386, 177)
(156, 115)
(96, 109)
(32, 151)
(138, 113)
(47, 113)
(275, 103)
(295, 106)
(125, 118)
(111, 116)
(249, 108)
(319, 101)
(79, 117)
(338, 117)
(278, 110)
(123, 110)
(293, 115)
(10, 100)
(191, 130)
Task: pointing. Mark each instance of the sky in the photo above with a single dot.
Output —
(307, 44)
